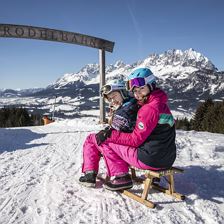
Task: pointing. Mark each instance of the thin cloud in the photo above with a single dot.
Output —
(135, 25)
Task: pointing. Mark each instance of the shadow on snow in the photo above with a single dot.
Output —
(15, 139)
(205, 182)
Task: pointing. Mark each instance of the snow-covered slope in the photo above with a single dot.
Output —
(40, 167)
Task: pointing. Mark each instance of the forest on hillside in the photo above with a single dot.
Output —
(208, 117)
(18, 117)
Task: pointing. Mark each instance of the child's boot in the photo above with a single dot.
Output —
(120, 182)
(89, 179)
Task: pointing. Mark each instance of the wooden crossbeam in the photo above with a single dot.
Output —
(162, 173)
(139, 199)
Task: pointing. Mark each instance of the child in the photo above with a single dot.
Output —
(123, 112)
(123, 108)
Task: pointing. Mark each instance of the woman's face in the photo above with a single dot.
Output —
(115, 99)
(140, 93)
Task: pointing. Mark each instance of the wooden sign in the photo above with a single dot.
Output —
(40, 33)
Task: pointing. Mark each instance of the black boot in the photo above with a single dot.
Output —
(89, 179)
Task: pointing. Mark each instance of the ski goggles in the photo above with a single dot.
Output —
(107, 89)
(136, 82)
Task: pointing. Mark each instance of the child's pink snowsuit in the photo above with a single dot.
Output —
(121, 149)
(117, 157)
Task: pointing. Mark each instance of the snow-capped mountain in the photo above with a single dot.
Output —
(18, 92)
(188, 58)
(87, 73)
(174, 64)
(187, 76)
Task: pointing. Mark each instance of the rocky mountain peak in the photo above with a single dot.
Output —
(175, 57)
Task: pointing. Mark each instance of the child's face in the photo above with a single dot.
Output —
(115, 99)
(140, 93)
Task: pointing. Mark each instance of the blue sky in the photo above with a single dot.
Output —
(138, 28)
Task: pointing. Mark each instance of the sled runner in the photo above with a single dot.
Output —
(150, 182)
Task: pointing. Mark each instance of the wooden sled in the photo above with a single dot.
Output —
(148, 184)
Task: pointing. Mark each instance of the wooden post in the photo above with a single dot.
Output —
(147, 186)
(102, 83)
(171, 183)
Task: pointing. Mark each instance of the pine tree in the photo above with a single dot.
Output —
(218, 125)
(183, 124)
(209, 117)
(200, 115)
(16, 117)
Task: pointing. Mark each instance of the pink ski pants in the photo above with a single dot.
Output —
(117, 158)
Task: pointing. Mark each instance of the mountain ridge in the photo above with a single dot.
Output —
(189, 60)
(187, 76)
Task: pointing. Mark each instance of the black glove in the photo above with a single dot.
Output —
(103, 135)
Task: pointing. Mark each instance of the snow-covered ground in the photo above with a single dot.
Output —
(40, 167)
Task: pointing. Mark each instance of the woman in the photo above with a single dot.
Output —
(151, 145)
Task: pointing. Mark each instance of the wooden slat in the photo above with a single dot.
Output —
(148, 174)
(139, 199)
(163, 172)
